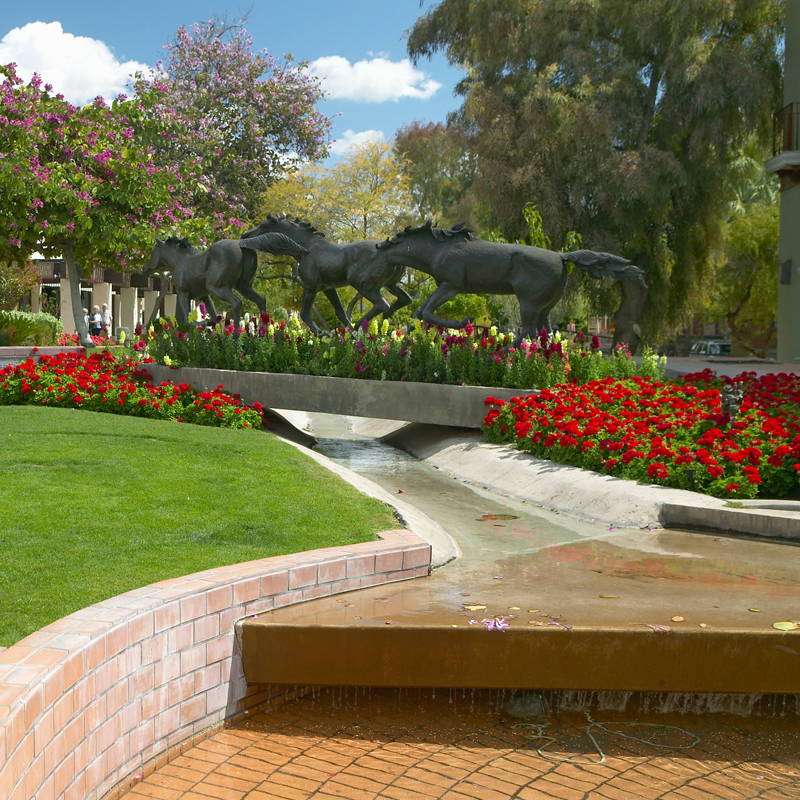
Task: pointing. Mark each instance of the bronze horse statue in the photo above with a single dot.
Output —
(461, 263)
(227, 265)
(328, 266)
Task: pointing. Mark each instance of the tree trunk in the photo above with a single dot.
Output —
(74, 275)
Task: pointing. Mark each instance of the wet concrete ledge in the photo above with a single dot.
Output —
(638, 659)
(432, 403)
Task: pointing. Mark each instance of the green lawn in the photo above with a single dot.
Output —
(92, 505)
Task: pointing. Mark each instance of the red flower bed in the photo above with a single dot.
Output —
(101, 383)
(675, 434)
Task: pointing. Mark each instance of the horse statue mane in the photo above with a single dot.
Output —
(460, 230)
(296, 221)
(178, 242)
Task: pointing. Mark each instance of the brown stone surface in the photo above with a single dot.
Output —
(454, 745)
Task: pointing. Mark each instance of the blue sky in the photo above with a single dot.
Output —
(87, 47)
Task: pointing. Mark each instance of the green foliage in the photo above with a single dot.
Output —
(23, 327)
(746, 286)
(15, 281)
(439, 166)
(623, 120)
(113, 503)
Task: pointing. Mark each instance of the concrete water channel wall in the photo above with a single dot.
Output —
(432, 403)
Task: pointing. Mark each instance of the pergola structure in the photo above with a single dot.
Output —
(786, 163)
(130, 296)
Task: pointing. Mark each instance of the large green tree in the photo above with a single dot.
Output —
(440, 167)
(620, 120)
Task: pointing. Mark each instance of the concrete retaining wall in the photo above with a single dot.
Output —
(16, 355)
(434, 403)
(97, 696)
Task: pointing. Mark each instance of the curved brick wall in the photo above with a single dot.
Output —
(90, 699)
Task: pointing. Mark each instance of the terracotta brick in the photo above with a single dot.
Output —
(359, 566)
(313, 592)
(193, 658)
(193, 607)
(180, 637)
(154, 648)
(42, 732)
(219, 648)
(193, 709)
(167, 616)
(288, 598)
(387, 562)
(144, 679)
(207, 678)
(246, 590)
(332, 571)
(165, 670)
(275, 583)
(418, 557)
(116, 640)
(206, 627)
(303, 576)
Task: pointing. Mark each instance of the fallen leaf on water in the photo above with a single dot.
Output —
(609, 596)
(678, 618)
(487, 517)
(399, 491)
(533, 610)
(703, 625)
(388, 622)
(498, 577)
(513, 608)
(476, 607)
(756, 610)
(786, 626)
(659, 628)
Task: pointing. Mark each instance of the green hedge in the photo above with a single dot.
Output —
(24, 327)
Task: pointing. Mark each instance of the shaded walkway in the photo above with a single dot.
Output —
(409, 745)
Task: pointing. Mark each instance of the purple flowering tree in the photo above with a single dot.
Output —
(87, 183)
(246, 116)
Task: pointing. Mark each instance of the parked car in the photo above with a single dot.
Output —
(710, 347)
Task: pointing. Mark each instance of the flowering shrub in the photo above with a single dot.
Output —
(99, 382)
(480, 357)
(674, 434)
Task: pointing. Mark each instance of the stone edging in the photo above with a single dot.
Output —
(90, 698)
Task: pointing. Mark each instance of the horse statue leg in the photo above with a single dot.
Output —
(226, 293)
(338, 308)
(182, 308)
(245, 284)
(379, 305)
(442, 294)
(403, 298)
(305, 309)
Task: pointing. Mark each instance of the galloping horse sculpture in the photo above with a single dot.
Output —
(228, 264)
(328, 266)
(461, 263)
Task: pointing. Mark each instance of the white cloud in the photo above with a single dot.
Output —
(350, 140)
(79, 67)
(373, 81)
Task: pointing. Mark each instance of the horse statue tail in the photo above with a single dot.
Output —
(276, 243)
(600, 264)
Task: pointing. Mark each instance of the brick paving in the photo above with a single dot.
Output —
(417, 745)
